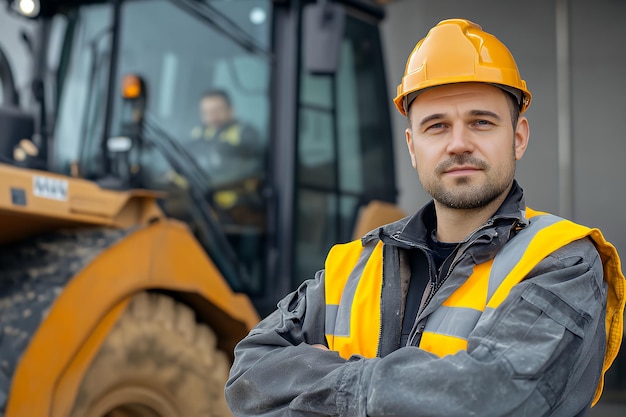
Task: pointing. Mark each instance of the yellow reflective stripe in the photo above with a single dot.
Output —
(353, 291)
(530, 213)
(614, 305)
(473, 293)
(546, 241)
(441, 344)
(231, 135)
(343, 314)
(339, 263)
(615, 297)
(366, 309)
(513, 251)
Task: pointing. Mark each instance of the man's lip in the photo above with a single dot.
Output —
(461, 169)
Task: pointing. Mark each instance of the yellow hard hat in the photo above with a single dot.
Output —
(456, 51)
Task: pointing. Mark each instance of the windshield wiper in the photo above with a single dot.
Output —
(224, 24)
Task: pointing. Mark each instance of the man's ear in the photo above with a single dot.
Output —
(522, 135)
(409, 143)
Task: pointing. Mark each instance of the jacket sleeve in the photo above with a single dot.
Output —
(538, 354)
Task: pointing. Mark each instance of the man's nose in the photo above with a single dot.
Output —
(460, 139)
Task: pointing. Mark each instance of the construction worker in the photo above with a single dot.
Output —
(231, 154)
(219, 123)
(475, 305)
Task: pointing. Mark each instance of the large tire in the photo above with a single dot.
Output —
(33, 273)
(157, 361)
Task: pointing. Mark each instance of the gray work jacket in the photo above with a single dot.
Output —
(529, 358)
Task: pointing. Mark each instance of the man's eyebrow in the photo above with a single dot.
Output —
(485, 113)
(432, 117)
(437, 116)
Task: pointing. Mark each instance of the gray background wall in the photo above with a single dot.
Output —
(596, 111)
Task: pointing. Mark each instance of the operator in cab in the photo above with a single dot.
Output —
(231, 155)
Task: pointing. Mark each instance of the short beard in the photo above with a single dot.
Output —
(470, 196)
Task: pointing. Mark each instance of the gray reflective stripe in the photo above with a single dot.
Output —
(331, 317)
(453, 321)
(512, 252)
(338, 316)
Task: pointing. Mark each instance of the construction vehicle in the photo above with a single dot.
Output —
(126, 274)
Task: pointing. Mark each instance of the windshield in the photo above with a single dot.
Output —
(205, 72)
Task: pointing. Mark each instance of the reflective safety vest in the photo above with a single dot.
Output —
(354, 276)
(230, 134)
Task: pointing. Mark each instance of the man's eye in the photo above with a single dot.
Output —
(435, 126)
(483, 123)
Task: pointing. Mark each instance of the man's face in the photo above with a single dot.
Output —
(463, 145)
(215, 112)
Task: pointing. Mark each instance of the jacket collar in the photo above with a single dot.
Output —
(412, 230)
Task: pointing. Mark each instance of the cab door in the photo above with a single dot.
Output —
(344, 152)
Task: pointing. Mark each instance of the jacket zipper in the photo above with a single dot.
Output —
(382, 310)
(431, 274)
(457, 257)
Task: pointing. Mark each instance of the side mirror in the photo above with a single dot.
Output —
(323, 24)
(135, 100)
(119, 147)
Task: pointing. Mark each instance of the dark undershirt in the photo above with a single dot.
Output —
(440, 251)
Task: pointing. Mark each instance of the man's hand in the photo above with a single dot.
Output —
(319, 346)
